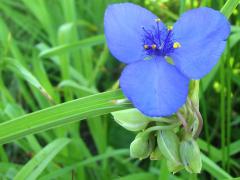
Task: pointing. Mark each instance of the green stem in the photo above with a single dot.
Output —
(164, 120)
(229, 107)
(205, 117)
(222, 112)
(157, 128)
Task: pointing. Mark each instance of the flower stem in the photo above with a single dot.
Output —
(164, 120)
(157, 128)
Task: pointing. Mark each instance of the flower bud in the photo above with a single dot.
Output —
(131, 119)
(141, 147)
(156, 154)
(190, 155)
(168, 144)
(174, 168)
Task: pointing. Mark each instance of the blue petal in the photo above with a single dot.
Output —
(202, 34)
(123, 29)
(155, 87)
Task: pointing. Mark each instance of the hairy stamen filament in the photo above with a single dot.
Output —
(158, 30)
(157, 41)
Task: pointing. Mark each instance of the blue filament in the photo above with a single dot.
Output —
(158, 42)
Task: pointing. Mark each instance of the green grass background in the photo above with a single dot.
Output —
(54, 51)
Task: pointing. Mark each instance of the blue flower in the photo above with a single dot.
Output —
(138, 38)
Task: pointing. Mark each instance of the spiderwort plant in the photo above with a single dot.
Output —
(161, 62)
(137, 37)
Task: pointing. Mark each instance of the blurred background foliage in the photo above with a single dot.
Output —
(53, 51)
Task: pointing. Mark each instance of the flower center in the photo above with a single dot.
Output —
(159, 41)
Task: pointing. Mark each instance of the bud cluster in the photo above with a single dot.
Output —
(170, 138)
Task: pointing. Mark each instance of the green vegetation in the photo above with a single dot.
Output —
(55, 69)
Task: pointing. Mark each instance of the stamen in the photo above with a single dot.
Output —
(156, 41)
(170, 28)
(176, 45)
(149, 36)
(146, 46)
(158, 30)
(146, 31)
(154, 46)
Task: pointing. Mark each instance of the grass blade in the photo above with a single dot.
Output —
(94, 40)
(21, 71)
(67, 169)
(37, 164)
(229, 6)
(214, 169)
(62, 114)
(139, 176)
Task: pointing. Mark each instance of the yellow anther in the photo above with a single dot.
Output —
(146, 46)
(158, 20)
(176, 45)
(170, 28)
(154, 46)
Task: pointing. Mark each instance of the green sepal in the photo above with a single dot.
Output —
(142, 146)
(156, 154)
(131, 119)
(168, 144)
(174, 168)
(190, 155)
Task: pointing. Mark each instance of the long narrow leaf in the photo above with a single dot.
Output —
(62, 114)
(229, 6)
(95, 40)
(214, 169)
(67, 169)
(37, 164)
